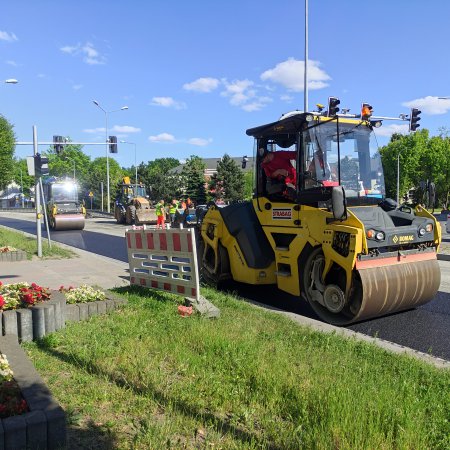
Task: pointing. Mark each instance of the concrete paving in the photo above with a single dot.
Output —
(85, 268)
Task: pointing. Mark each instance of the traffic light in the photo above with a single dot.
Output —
(414, 119)
(366, 111)
(112, 144)
(40, 165)
(58, 147)
(333, 103)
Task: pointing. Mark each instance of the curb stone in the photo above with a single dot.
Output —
(44, 426)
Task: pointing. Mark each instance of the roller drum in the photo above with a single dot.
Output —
(389, 289)
(384, 289)
(69, 222)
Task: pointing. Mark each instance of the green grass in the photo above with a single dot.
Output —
(145, 378)
(29, 244)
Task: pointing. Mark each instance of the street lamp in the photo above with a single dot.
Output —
(107, 157)
(135, 165)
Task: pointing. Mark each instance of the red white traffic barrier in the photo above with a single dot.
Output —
(164, 259)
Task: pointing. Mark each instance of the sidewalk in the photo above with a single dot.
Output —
(87, 268)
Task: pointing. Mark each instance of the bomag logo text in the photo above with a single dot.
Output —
(403, 239)
(281, 214)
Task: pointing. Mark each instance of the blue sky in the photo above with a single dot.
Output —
(196, 74)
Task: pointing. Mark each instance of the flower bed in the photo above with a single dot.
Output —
(12, 254)
(11, 401)
(82, 294)
(30, 311)
(43, 425)
(21, 295)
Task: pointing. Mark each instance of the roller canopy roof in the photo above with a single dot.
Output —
(283, 131)
(290, 125)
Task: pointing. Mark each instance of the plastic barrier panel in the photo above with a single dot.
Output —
(164, 260)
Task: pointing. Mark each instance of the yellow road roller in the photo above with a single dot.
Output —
(319, 226)
(64, 210)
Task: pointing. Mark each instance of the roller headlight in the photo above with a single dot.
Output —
(422, 232)
(379, 236)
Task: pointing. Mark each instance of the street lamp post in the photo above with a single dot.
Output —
(96, 103)
(135, 165)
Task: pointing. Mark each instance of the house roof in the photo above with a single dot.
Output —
(211, 164)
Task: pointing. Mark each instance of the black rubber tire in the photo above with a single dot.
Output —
(131, 215)
(118, 215)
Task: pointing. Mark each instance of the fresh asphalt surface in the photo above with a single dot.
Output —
(426, 329)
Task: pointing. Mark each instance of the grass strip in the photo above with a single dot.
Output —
(28, 244)
(144, 377)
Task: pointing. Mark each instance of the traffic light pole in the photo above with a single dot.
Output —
(37, 198)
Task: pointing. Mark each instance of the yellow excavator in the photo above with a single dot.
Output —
(132, 206)
(331, 238)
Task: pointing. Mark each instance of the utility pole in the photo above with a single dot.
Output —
(305, 86)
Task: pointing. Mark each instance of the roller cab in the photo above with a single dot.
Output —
(64, 210)
(333, 239)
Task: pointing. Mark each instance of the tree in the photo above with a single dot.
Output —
(7, 146)
(97, 175)
(21, 177)
(193, 174)
(248, 185)
(72, 160)
(159, 180)
(228, 183)
(410, 150)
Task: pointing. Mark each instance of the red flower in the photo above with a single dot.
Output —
(28, 298)
(1, 284)
(2, 301)
(34, 285)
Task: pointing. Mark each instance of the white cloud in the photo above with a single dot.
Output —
(202, 85)
(239, 91)
(8, 37)
(41, 75)
(167, 102)
(163, 137)
(430, 105)
(290, 74)
(257, 104)
(389, 130)
(94, 130)
(76, 87)
(69, 50)
(199, 141)
(87, 52)
(243, 93)
(125, 129)
(12, 63)
(286, 98)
